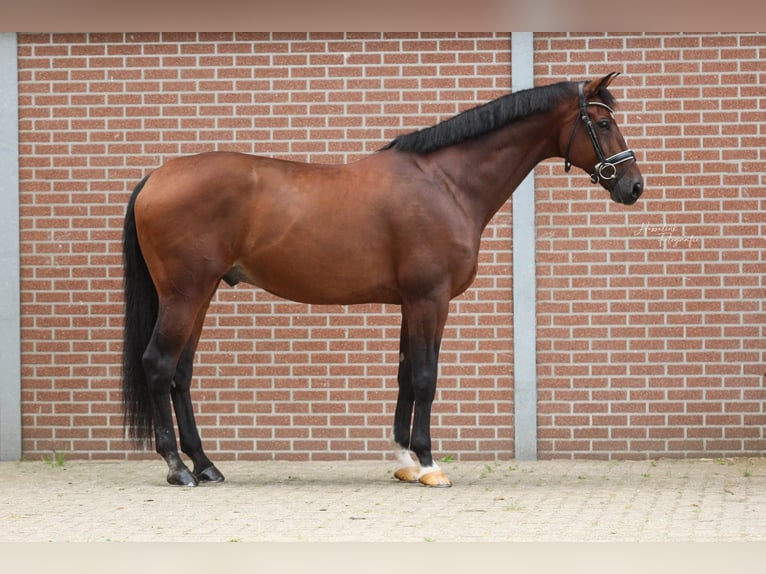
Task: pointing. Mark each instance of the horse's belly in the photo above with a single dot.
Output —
(322, 278)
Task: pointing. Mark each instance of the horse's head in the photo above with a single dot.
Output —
(594, 143)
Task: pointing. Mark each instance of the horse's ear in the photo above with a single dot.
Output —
(593, 87)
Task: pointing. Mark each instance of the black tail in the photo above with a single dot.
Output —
(140, 316)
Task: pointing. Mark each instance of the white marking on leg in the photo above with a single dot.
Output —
(428, 470)
(405, 458)
(403, 455)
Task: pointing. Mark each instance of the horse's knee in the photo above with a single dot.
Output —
(424, 388)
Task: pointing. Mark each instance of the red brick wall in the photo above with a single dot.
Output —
(650, 318)
(275, 379)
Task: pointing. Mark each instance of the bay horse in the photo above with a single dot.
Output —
(401, 226)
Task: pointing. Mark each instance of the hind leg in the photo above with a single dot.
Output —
(191, 444)
(171, 335)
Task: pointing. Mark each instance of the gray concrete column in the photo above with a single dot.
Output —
(524, 277)
(10, 314)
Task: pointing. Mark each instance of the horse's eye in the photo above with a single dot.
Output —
(604, 125)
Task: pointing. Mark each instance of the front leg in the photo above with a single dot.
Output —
(424, 383)
(422, 328)
(409, 469)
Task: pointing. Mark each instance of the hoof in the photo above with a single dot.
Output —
(210, 474)
(435, 479)
(407, 474)
(182, 477)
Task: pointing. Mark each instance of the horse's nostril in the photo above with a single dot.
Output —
(637, 189)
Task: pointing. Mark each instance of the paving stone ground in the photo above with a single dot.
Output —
(722, 500)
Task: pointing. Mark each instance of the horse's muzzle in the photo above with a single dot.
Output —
(627, 190)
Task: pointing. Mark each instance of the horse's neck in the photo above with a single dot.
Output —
(486, 171)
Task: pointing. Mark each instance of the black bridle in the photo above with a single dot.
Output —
(606, 168)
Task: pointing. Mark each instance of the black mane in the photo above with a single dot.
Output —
(488, 117)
